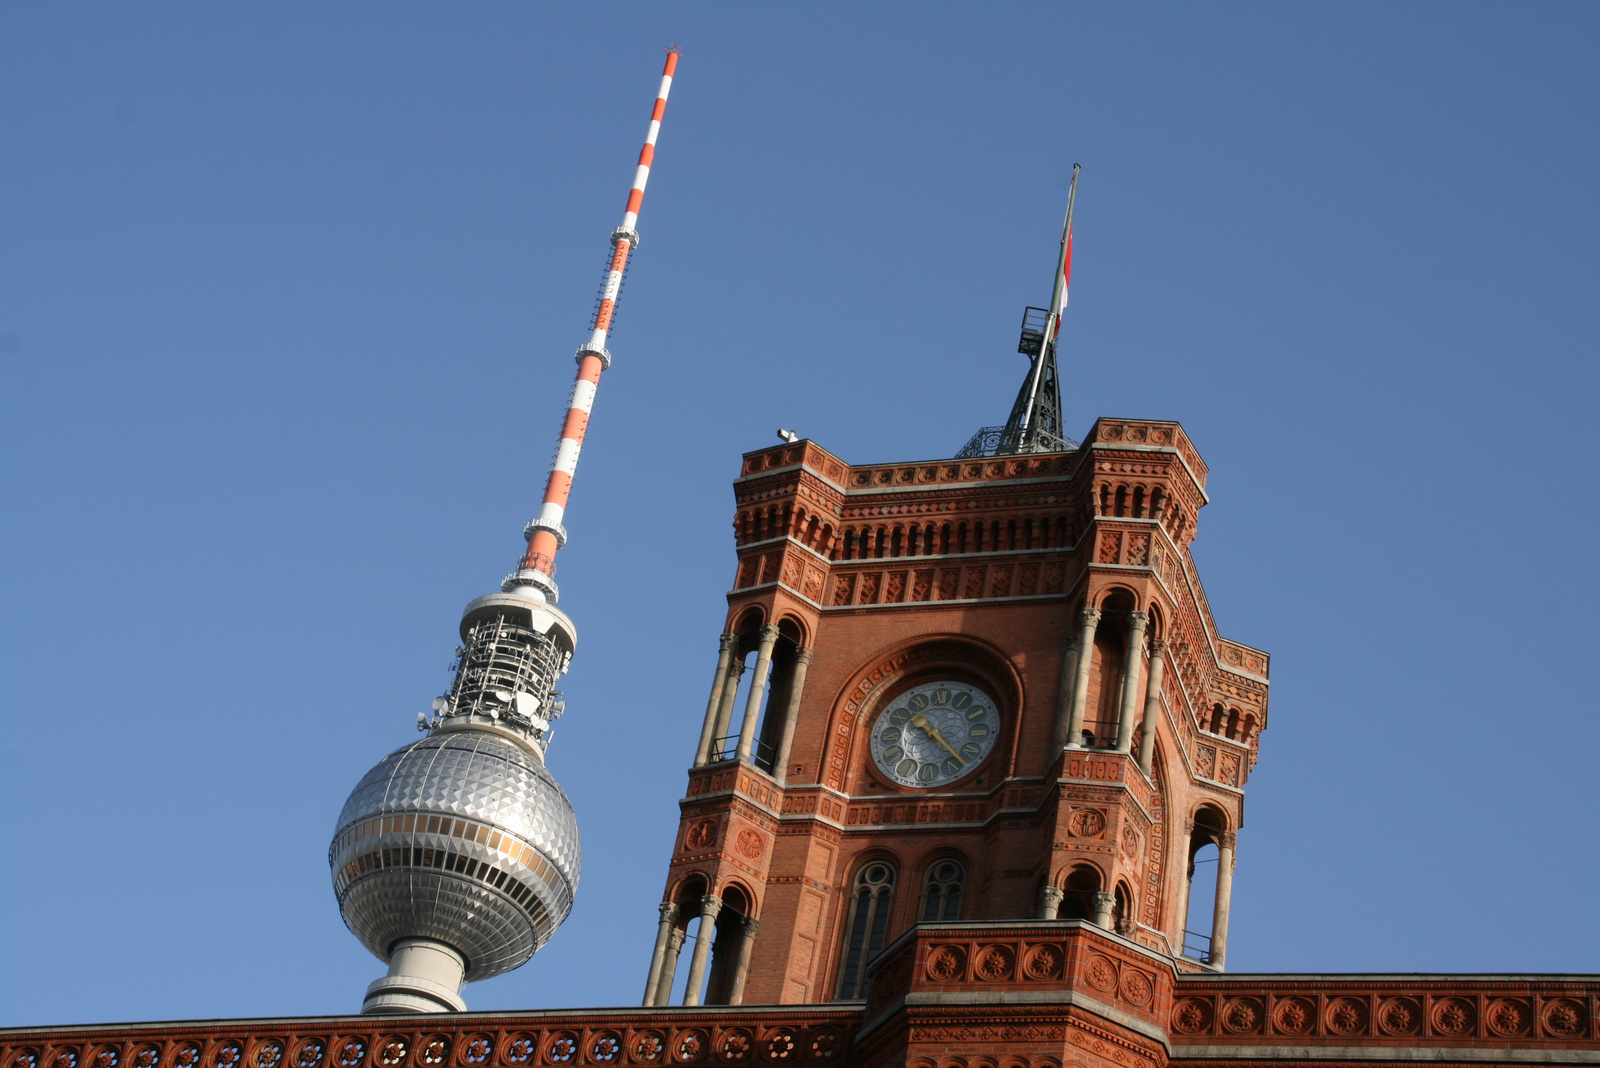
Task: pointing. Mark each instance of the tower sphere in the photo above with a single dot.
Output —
(462, 837)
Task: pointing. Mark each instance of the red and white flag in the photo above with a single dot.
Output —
(1066, 276)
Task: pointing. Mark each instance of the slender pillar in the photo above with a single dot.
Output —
(748, 929)
(758, 686)
(797, 685)
(1069, 678)
(1050, 902)
(702, 754)
(730, 692)
(1088, 619)
(1219, 912)
(1152, 704)
(1187, 862)
(669, 921)
(1104, 902)
(710, 905)
(669, 967)
(1137, 622)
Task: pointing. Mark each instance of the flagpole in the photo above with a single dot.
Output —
(1051, 324)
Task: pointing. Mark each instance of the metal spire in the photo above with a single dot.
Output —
(1035, 421)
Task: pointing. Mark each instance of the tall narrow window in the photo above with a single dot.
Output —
(941, 894)
(868, 926)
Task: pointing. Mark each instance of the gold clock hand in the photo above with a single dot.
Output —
(933, 732)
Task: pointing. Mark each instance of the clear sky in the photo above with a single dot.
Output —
(288, 300)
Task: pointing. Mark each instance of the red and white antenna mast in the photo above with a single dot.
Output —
(545, 533)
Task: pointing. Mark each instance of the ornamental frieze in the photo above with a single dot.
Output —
(1427, 1011)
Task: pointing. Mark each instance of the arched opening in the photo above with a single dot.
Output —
(1077, 893)
(736, 686)
(1102, 711)
(942, 890)
(780, 692)
(725, 946)
(867, 930)
(1122, 910)
(680, 950)
(1209, 826)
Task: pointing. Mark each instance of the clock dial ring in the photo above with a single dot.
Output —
(935, 733)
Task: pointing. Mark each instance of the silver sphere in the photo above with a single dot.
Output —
(464, 838)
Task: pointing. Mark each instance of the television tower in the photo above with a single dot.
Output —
(456, 857)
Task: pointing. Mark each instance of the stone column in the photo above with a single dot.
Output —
(730, 693)
(1069, 675)
(669, 967)
(669, 921)
(1088, 619)
(1219, 911)
(710, 905)
(1050, 902)
(758, 686)
(748, 929)
(1137, 622)
(1104, 902)
(714, 702)
(1152, 705)
(797, 685)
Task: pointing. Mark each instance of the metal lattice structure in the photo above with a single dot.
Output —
(1035, 421)
(507, 671)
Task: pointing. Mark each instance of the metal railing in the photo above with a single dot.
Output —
(1197, 946)
(991, 441)
(762, 755)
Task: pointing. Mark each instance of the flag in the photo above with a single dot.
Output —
(1066, 276)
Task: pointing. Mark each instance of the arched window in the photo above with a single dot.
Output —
(941, 891)
(1122, 911)
(868, 928)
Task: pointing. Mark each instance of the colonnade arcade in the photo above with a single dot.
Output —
(766, 724)
(723, 936)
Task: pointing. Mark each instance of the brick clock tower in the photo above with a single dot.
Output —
(970, 723)
(982, 689)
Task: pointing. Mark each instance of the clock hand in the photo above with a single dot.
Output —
(933, 732)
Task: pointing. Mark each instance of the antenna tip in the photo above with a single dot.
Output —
(675, 50)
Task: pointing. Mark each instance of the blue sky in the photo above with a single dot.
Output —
(288, 296)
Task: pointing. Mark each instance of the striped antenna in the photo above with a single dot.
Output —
(546, 534)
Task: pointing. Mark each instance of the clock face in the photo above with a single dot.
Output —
(935, 733)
